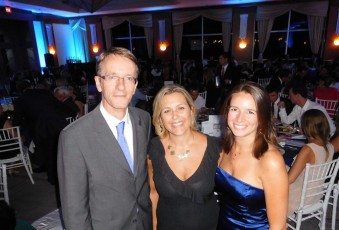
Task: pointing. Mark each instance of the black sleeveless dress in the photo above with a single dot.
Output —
(190, 204)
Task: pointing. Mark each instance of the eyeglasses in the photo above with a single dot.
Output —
(115, 79)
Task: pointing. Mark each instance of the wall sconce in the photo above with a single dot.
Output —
(163, 46)
(242, 44)
(243, 31)
(51, 50)
(336, 39)
(162, 34)
(95, 46)
(8, 9)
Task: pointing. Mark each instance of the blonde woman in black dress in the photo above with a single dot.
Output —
(182, 165)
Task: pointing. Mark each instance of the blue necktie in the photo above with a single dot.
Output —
(123, 143)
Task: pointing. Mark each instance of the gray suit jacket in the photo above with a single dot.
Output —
(97, 188)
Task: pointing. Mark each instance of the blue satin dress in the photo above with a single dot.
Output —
(242, 205)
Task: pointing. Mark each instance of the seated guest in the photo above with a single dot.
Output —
(274, 94)
(42, 116)
(280, 79)
(326, 90)
(78, 99)
(298, 96)
(62, 94)
(199, 101)
(318, 150)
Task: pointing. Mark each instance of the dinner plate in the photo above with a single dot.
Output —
(297, 136)
(284, 129)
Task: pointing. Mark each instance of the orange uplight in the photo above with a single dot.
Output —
(8, 9)
(242, 44)
(51, 50)
(95, 48)
(336, 41)
(163, 46)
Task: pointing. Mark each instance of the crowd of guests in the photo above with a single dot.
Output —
(41, 105)
(121, 167)
(41, 111)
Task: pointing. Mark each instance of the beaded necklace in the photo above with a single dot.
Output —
(180, 155)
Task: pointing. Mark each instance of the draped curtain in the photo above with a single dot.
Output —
(78, 27)
(315, 25)
(264, 31)
(315, 11)
(143, 20)
(181, 17)
(177, 37)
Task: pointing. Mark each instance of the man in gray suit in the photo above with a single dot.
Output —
(103, 185)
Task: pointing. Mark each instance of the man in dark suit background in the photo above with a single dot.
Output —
(41, 117)
(103, 185)
(228, 71)
(229, 75)
(280, 79)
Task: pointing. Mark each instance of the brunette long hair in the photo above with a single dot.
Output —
(265, 133)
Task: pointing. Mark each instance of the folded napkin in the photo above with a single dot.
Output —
(298, 136)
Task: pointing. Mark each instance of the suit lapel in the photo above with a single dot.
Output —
(136, 124)
(108, 143)
(138, 139)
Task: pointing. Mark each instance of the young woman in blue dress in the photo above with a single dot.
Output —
(251, 177)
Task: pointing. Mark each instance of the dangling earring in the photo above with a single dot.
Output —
(161, 126)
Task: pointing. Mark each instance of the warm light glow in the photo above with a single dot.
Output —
(163, 46)
(336, 41)
(51, 50)
(95, 48)
(242, 44)
(8, 9)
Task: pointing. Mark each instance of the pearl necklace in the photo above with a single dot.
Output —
(182, 155)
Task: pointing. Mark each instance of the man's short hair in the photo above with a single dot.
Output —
(270, 88)
(298, 87)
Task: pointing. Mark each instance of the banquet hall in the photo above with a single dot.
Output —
(175, 41)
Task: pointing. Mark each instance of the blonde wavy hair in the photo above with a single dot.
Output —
(168, 90)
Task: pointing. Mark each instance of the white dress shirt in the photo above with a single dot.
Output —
(276, 108)
(298, 111)
(223, 69)
(128, 130)
(199, 103)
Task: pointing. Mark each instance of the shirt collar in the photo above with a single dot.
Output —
(306, 104)
(277, 101)
(113, 119)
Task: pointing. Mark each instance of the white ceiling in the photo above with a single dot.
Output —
(78, 8)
